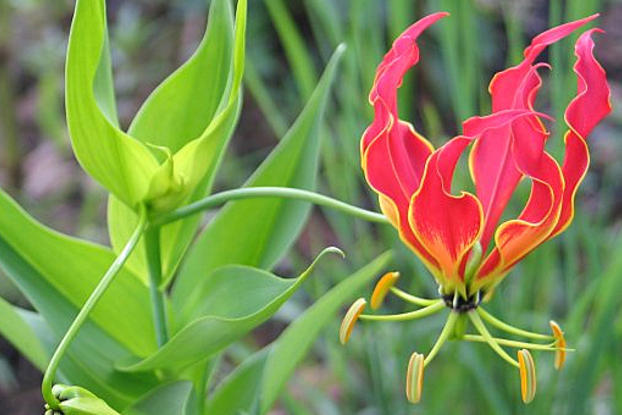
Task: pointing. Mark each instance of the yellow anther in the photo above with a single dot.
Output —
(560, 345)
(414, 378)
(347, 324)
(381, 289)
(527, 371)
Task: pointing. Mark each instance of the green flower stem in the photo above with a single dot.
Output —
(481, 327)
(512, 343)
(511, 329)
(104, 283)
(154, 265)
(442, 338)
(423, 312)
(411, 298)
(274, 192)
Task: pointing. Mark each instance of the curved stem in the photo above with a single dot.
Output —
(411, 298)
(275, 192)
(442, 338)
(510, 329)
(512, 343)
(104, 283)
(154, 265)
(412, 315)
(481, 327)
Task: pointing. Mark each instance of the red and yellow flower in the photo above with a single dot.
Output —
(459, 237)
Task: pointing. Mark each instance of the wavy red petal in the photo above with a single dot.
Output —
(491, 161)
(516, 238)
(393, 154)
(447, 225)
(587, 109)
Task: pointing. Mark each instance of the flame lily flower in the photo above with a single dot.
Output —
(458, 236)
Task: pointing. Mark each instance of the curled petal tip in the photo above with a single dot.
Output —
(527, 371)
(560, 345)
(414, 377)
(349, 320)
(381, 289)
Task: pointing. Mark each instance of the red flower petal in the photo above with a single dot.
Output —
(587, 109)
(516, 238)
(549, 209)
(393, 154)
(492, 165)
(447, 225)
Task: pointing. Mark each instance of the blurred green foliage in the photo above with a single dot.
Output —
(575, 279)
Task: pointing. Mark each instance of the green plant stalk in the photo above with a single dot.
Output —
(154, 267)
(442, 338)
(104, 283)
(254, 192)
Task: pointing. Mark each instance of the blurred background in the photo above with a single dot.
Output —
(575, 279)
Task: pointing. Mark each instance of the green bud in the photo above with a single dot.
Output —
(86, 406)
(75, 400)
(65, 392)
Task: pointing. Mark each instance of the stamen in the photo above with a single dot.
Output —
(442, 338)
(511, 329)
(560, 343)
(423, 312)
(411, 298)
(479, 325)
(382, 287)
(352, 315)
(527, 372)
(414, 378)
(550, 347)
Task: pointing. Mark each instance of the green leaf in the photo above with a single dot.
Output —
(196, 163)
(48, 266)
(232, 301)
(260, 378)
(182, 106)
(90, 359)
(57, 273)
(258, 232)
(168, 399)
(21, 336)
(176, 112)
(121, 164)
(239, 391)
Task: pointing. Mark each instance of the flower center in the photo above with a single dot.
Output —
(461, 305)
